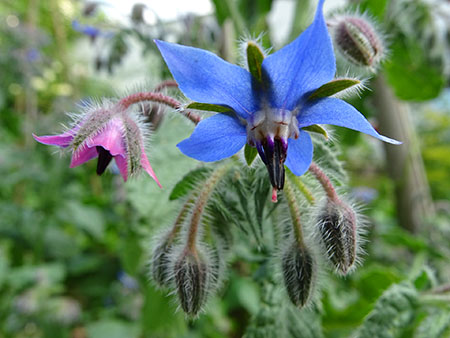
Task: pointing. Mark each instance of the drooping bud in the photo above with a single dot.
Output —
(299, 273)
(358, 40)
(337, 228)
(192, 279)
(160, 262)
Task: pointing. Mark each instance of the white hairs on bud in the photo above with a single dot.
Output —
(242, 47)
(359, 240)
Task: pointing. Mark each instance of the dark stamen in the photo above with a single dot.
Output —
(104, 158)
(275, 155)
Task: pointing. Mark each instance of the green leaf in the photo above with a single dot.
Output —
(333, 87)
(188, 182)
(435, 325)
(208, 107)
(315, 128)
(393, 311)
(374, 7)
(255, 57)
(159, 315)
(112, 328)
(411, 74)
(250, 154)
(425, 280)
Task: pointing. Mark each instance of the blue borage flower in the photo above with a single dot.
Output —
(267, 114)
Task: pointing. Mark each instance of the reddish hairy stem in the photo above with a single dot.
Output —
(159, 98)
(324, 181)
(166, 84)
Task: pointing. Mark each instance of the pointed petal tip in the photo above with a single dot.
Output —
(389, 140)
(62, 140)
(145, 163)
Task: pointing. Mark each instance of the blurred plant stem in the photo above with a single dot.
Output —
(304, 12)
(227, 41)
(30, 94)
(405, 164)
(60, 36)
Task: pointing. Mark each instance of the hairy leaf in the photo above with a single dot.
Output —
(188, 182)
(392, 312)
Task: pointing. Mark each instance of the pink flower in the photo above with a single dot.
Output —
(106, 134)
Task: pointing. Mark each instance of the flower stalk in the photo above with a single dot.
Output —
(301, 187)
(157, 97)
(166, 84)
(295, 213)
(202, 200)
(324, 181)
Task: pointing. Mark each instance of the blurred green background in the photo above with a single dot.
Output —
(74, 246)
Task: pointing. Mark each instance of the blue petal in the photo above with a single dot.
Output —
(204, 77)
(302, 66)
(335, 111)
(215, 138)
(299, 154)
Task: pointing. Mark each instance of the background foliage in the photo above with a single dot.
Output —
(74, 246)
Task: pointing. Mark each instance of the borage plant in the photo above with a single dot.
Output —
(272, 108)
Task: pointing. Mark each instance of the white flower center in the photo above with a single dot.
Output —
(272, 123)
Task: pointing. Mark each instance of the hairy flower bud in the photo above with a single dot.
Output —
(159, 262)
(358, 40)
(299, 273)
(337, 227)
(192, 279)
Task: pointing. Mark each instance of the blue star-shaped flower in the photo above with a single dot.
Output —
(267, 114)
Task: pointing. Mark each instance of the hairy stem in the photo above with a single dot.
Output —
(158, 98)
(302, 187)
(295, 213)
(166, 84)
(324, 181)
(180, 219)
(202, 200)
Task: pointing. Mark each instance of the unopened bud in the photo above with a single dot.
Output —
(192, 279)
(358, 40)
(159, 262)
(299, 273)
(337, 227)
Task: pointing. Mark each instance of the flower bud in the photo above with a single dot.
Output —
(299, 273)
(159, 262)
(358, 40)
(337, 227)
(192, 279)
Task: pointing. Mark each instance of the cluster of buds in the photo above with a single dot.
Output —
(335, 231)
(181, 260)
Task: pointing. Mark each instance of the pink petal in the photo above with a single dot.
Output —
(83, 155)
(62, 140)
(148, 168)
(110, 138)
(123, 166)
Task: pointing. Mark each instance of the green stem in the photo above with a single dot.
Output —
(302, 187)
(202, 200)
(295, 213)
(177, 225)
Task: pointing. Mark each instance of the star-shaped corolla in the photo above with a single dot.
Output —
(106, 135)
(269, 113)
